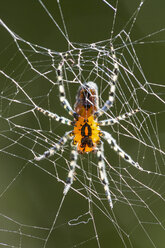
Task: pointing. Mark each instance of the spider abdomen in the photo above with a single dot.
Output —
(86, 134)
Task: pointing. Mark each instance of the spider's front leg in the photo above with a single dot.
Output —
(113, 81)
(56, 147)
(55, 116)
(103, 174)
(63, 99)
(107, 136)
(117, 119)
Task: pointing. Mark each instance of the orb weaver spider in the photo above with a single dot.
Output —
(87, 134)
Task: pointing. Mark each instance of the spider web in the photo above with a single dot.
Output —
(33, 210)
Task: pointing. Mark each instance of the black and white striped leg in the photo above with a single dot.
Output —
(55, 116)
(56, 147)
(112, 121)
(62, 96)
(113, 81)
(73, 165)
(103, 174)
(117, 149)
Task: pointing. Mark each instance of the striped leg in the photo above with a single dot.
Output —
(63, 99)
(117, 149)
(103, 174)
(55, 116)
(56, 147)
(112, 121)
(73, 164)
(114, 79)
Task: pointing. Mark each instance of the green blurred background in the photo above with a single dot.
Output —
(31, 196)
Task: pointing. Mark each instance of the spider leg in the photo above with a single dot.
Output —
(112, 121)
(117, 149)
(56, 147)
(73, 165)
(113, 81)
(63, 99)
(55, 116)
(103, 174)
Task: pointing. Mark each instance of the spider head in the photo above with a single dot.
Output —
(87, 99)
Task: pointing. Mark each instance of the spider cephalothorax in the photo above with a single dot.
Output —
(87, 100)
(86, 134)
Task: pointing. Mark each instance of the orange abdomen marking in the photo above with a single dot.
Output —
(86, 132)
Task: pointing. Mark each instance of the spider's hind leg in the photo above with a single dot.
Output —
(103, 174)
(107, 136)
(73, 165)
(56, 147)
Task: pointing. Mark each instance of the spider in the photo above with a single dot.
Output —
(87, 135)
